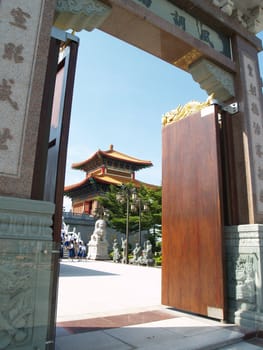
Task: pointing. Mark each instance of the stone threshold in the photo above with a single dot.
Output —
(254, 338)
(117, 321)
(109, 322)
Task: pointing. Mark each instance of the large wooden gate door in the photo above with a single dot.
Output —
(49, 171)
(193, 274)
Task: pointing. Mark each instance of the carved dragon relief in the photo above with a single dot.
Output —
(182, 112)
(242, 280)
(17, 303)
(21, 264)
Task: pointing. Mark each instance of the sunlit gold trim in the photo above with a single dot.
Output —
(185, 61)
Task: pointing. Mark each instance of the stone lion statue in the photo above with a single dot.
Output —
(99, 232)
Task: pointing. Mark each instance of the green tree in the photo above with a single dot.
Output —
(148, 200)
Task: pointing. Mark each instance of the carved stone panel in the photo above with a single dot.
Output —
(26, 250)
(26, 271)
(242, 275)
(244, 262)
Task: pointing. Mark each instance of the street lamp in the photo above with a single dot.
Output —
(122, 196)
(102, 213)
(142, 206)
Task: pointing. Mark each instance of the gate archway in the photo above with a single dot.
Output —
(231, 71)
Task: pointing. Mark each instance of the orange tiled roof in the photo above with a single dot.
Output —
(108, 179)
(113, 154)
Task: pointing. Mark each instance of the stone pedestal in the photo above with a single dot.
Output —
(244, 262)
(26, 250)
(98, 250)
(98, 244)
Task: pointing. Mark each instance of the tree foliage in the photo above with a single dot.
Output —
(117, 210)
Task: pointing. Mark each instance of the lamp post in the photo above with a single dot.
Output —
(133, 202)
(122, 196)
(142, 206)
(102, 213)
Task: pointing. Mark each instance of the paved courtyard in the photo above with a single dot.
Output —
(96, 288)
(107, 306)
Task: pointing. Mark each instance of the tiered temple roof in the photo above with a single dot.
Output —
(106, 168)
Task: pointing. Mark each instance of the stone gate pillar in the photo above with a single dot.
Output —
(26, 245)
(243, 233)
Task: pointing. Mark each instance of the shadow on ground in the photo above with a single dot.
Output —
(77, 271)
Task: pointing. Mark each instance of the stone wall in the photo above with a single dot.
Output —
(85, 225)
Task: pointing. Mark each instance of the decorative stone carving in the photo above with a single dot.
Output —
(25, 272)
(116, 251)
(98, 245)
(254, 22)
(124, 250)
(81, 14)
(17, 303)
(213, 79)
(242, 280)
(147, 255)
(248, 13)
(21, 217)
(244, 267)
(137, 252)
(226, 6)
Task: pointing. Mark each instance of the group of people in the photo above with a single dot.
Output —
(75, 249)
(72, 243)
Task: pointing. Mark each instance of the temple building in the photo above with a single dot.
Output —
(103, 168)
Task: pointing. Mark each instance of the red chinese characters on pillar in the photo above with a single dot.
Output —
(19, 18)
(13, 52)
(6, 92)
(255, 123)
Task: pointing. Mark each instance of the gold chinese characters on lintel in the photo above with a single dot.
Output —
(184, 111)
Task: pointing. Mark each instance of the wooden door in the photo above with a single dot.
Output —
(192, 271)
(49, 172)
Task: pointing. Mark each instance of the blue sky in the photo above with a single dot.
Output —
(120, 95)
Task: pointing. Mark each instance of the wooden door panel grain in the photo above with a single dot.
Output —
(193, 274)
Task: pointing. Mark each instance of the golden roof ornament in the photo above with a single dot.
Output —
(182, 112)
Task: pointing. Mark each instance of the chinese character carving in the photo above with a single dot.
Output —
(204, 34)
(179, 21)
(259, 151)
(4, 136)
(13, 52)
(252, 90)
(257, 128)
(20, 18)
(254, 108)
(6, 92)
(260, 173)
(250, 70)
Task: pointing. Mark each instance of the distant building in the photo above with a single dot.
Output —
(103, 168)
